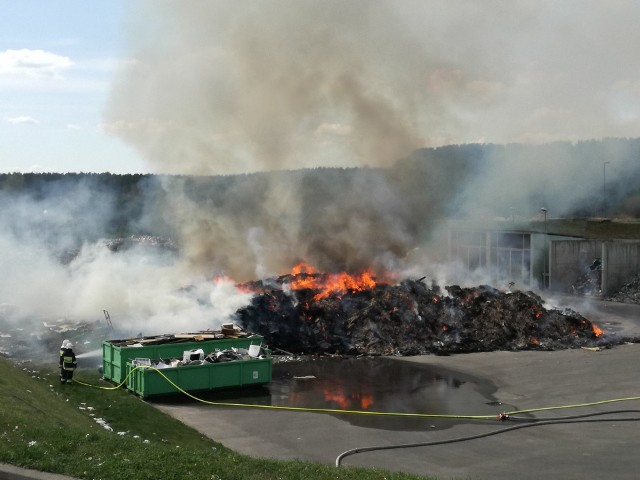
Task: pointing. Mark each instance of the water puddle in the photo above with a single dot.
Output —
(375, 384)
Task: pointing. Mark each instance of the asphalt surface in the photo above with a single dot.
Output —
(9, 472)
(522, 380)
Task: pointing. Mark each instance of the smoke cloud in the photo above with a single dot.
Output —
(224, 87)
(231, 88)
(221, 87)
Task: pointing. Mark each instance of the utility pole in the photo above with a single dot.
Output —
(545, 250)
(604, 189)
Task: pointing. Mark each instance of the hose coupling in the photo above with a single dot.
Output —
(503, 417)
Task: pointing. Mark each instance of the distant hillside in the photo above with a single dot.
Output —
(336, 217)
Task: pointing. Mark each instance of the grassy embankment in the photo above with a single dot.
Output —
(50, 427)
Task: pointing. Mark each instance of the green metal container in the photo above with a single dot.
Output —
(115, 357)
(148, 382)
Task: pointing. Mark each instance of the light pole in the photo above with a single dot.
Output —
(604, 189)
(546, 253)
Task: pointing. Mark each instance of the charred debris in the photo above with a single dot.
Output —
(408, 318)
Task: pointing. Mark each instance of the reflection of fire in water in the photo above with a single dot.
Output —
(304, 276)
(353, 401)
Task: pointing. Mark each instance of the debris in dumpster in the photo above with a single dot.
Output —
(193, 355)
(197, 357)
(234, 331)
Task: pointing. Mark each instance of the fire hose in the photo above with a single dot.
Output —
(504, 416)
(533, 422)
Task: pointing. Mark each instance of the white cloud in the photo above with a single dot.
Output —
(22, 120)
(33, 64)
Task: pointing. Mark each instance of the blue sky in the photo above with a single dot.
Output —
(57, 60)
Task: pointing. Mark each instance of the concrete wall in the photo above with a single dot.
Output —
(621, 262)
(570, 260)
(559, 262)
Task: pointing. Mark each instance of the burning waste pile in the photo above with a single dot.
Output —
(309, 312)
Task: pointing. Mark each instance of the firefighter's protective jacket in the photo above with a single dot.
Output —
(68, 359)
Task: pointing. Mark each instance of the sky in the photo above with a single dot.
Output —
(221, 86)
(57, 61)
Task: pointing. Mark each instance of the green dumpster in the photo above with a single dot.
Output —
(149, 381)
(116, 353)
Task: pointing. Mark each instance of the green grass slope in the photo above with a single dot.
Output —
(91, 433)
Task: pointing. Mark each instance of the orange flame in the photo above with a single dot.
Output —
(305, 277)
(303, 267)
(597, 330)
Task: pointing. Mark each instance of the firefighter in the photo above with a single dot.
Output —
(62, 347)
(67, 363)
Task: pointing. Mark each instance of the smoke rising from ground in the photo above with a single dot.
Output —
(60, 266)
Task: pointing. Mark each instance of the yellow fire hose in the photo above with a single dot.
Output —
(501, 416)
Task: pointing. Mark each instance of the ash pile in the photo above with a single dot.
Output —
(409, 318)
(628, 293)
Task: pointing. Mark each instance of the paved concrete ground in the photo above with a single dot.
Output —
(9, 472)
(522, 379)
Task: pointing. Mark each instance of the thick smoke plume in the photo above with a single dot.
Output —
(223, 87)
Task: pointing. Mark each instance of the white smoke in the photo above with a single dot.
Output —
(145, 289)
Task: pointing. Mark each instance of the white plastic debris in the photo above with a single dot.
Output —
(103, 424)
